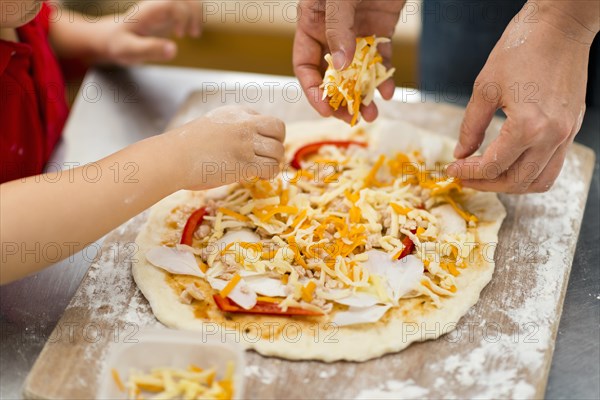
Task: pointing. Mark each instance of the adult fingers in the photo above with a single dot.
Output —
(501, 154)
(546, 179)
(370, 112)
(478, 115)
(307, 61)
(339, 30)
(507, 182)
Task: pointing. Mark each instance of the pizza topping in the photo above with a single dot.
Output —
(310, 149)
(408, 246)
(230, 286)
(360, 315)
(359, 299)
(191, 225)
(356, 84)
(237, 290)
(267, 286)
(450, 222)
(174, 260)
(261, 307)
(384, 230)
(191, 293)
(400, 276)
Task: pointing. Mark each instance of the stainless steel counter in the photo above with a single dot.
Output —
(118, 107)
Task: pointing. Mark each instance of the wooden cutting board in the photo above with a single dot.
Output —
(502, 348)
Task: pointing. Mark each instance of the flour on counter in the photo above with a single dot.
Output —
(498, 365)
(395, 390)
(115, 314)
(265, 376)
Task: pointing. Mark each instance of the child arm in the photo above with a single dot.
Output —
(137, 35)
(80, 206)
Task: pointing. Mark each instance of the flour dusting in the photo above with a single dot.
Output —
(501, 360)
(115, 308)
(504, 356)
(393, 389)
(263, 375)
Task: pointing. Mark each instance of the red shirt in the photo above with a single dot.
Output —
(33, 108)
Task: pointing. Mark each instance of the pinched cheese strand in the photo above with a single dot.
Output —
(356, 84)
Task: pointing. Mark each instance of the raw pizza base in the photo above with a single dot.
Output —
(313, 338)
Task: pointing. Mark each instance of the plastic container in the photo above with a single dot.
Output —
(153, 348)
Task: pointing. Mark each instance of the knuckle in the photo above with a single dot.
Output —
(536, 125)
(517, 188)
(492, 171)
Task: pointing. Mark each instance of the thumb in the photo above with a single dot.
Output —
(477, 118)
(145, 48)
(339, 30)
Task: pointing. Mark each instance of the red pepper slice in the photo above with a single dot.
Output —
(303, 152)
(191, 225)
(261, 307)
(409, 246)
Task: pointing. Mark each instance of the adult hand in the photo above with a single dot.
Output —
(331, 26)
(537, 75)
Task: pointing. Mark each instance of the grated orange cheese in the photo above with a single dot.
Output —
(268, 299)
(308, 290)
(399, 209)
(322, 227)
(230, 285)
(464, 214)
(233, 214)
(371, 177)
(356, 84)
(117, 379)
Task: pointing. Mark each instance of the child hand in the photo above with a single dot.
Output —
(141, 33)
(229, 144)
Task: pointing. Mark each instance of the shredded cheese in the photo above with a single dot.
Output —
(314, 234)
(356, 84)
(230, 285)
(174, 383)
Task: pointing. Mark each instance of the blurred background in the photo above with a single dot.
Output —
(257, 36)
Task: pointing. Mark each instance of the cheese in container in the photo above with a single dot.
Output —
(172, 364)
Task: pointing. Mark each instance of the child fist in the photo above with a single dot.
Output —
(230, 144)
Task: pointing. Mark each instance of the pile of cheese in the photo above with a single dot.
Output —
(356, 84)
(176, 383)
(328, 237)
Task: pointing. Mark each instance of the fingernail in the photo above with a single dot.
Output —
(339, 59)
(170, 50)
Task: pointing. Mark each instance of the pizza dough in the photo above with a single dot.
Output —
(304, 338)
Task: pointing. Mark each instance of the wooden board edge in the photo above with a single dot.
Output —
(28, 390)
(590, 154)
